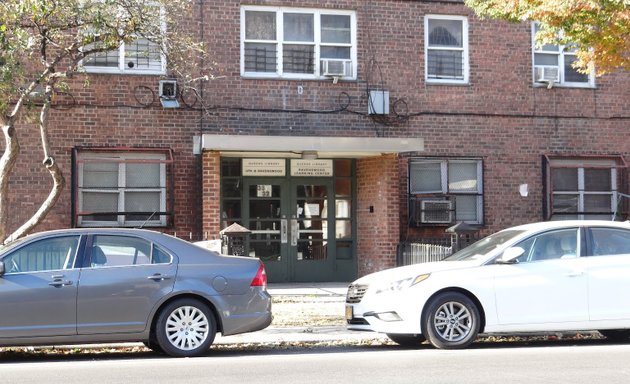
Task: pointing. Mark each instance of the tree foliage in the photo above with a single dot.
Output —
(600, 29)
(43, 42)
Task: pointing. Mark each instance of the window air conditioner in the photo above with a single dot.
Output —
(546, 74)
(436, 211)
(336, 68)
(168, 93)
(168, 89)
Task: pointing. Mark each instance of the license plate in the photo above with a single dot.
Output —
(349, 312)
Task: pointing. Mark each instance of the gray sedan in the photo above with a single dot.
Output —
(122, 285)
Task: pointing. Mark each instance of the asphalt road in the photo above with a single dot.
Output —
(570, 362)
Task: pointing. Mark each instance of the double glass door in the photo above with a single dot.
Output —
(292, 225)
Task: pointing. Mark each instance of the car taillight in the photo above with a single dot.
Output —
(260, 280)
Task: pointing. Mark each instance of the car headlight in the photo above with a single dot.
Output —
(399, 285)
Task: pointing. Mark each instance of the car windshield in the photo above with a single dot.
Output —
(484, 246)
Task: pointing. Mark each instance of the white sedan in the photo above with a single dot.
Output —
(542, 277)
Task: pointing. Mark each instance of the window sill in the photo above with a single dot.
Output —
(110, 71)
(260, 76)
(563, 85)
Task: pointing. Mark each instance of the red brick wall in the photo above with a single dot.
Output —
(211, 194)
(499, 117)
(377, 213)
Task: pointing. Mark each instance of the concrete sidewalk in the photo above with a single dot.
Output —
(305, 312)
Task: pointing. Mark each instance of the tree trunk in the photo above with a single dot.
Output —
(7, 162)
(51, 166)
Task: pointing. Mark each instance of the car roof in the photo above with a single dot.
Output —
(544, 225)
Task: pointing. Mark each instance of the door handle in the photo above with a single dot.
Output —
(284, 236)
(58, 281)
(158, 277)
(295, 229)
(575, 273)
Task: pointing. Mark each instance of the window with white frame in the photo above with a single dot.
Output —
(458, 183)
(446, 49)
(121, 189)
(140, 56)
(554, 64)
(298, 43)
(581, 188)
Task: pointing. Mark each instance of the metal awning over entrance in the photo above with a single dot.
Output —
(325, 146)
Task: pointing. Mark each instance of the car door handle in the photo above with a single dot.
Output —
(58, 281)
(575, 273)
(158, 277)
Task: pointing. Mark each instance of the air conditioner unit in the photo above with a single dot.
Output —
(168, 93)
(546, 74)
(168, 89)
(336, 68)
(436, 211)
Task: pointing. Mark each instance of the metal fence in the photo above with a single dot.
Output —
(415, 252)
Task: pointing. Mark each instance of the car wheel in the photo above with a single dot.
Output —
(616, 334)
(407, 340)
(451, 321)
(185, 328)
(154, 346)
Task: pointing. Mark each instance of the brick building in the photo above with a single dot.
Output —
(334, 131)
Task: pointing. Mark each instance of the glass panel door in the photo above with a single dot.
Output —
(265, 204)
(311, 225)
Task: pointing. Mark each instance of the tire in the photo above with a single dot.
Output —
(407, 340)
(154, 346)
(185, 328)
(616, 334)
(451, 321)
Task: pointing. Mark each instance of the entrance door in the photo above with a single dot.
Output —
(265, 214)
(312, 229)
(292, 225)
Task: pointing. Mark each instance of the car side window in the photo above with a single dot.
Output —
(610, 241)
(160, 256)
(50, 254)
(115, 251)
(561, 244)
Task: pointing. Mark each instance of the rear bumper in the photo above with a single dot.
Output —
(255, 313)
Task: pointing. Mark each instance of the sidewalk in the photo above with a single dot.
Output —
(305, 312)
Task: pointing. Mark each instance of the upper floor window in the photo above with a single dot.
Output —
(446, 44)
(446, 190)
(298, 43)
(121, 189)
(553, 64)
(142, 55)
(582, 188)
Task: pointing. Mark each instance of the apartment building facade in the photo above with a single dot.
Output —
(335, 130)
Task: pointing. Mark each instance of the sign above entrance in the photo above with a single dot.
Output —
(312, 168)
(264, 167)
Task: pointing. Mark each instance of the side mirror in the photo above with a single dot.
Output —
(1, 268)
(510, 255)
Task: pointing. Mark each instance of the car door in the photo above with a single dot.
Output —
(608, 269)
(547, 285)
(123, 280)
(38, 290)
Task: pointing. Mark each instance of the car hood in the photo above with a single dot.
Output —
(399, 273)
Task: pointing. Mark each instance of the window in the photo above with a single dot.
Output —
(298, 43)
(582, 188)
(121, 189)
(44, 255)
(553, 64)
(112, 251)
(140, 56)
(446, 184)
(446, 42)
(562, 244)
(610, 241)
